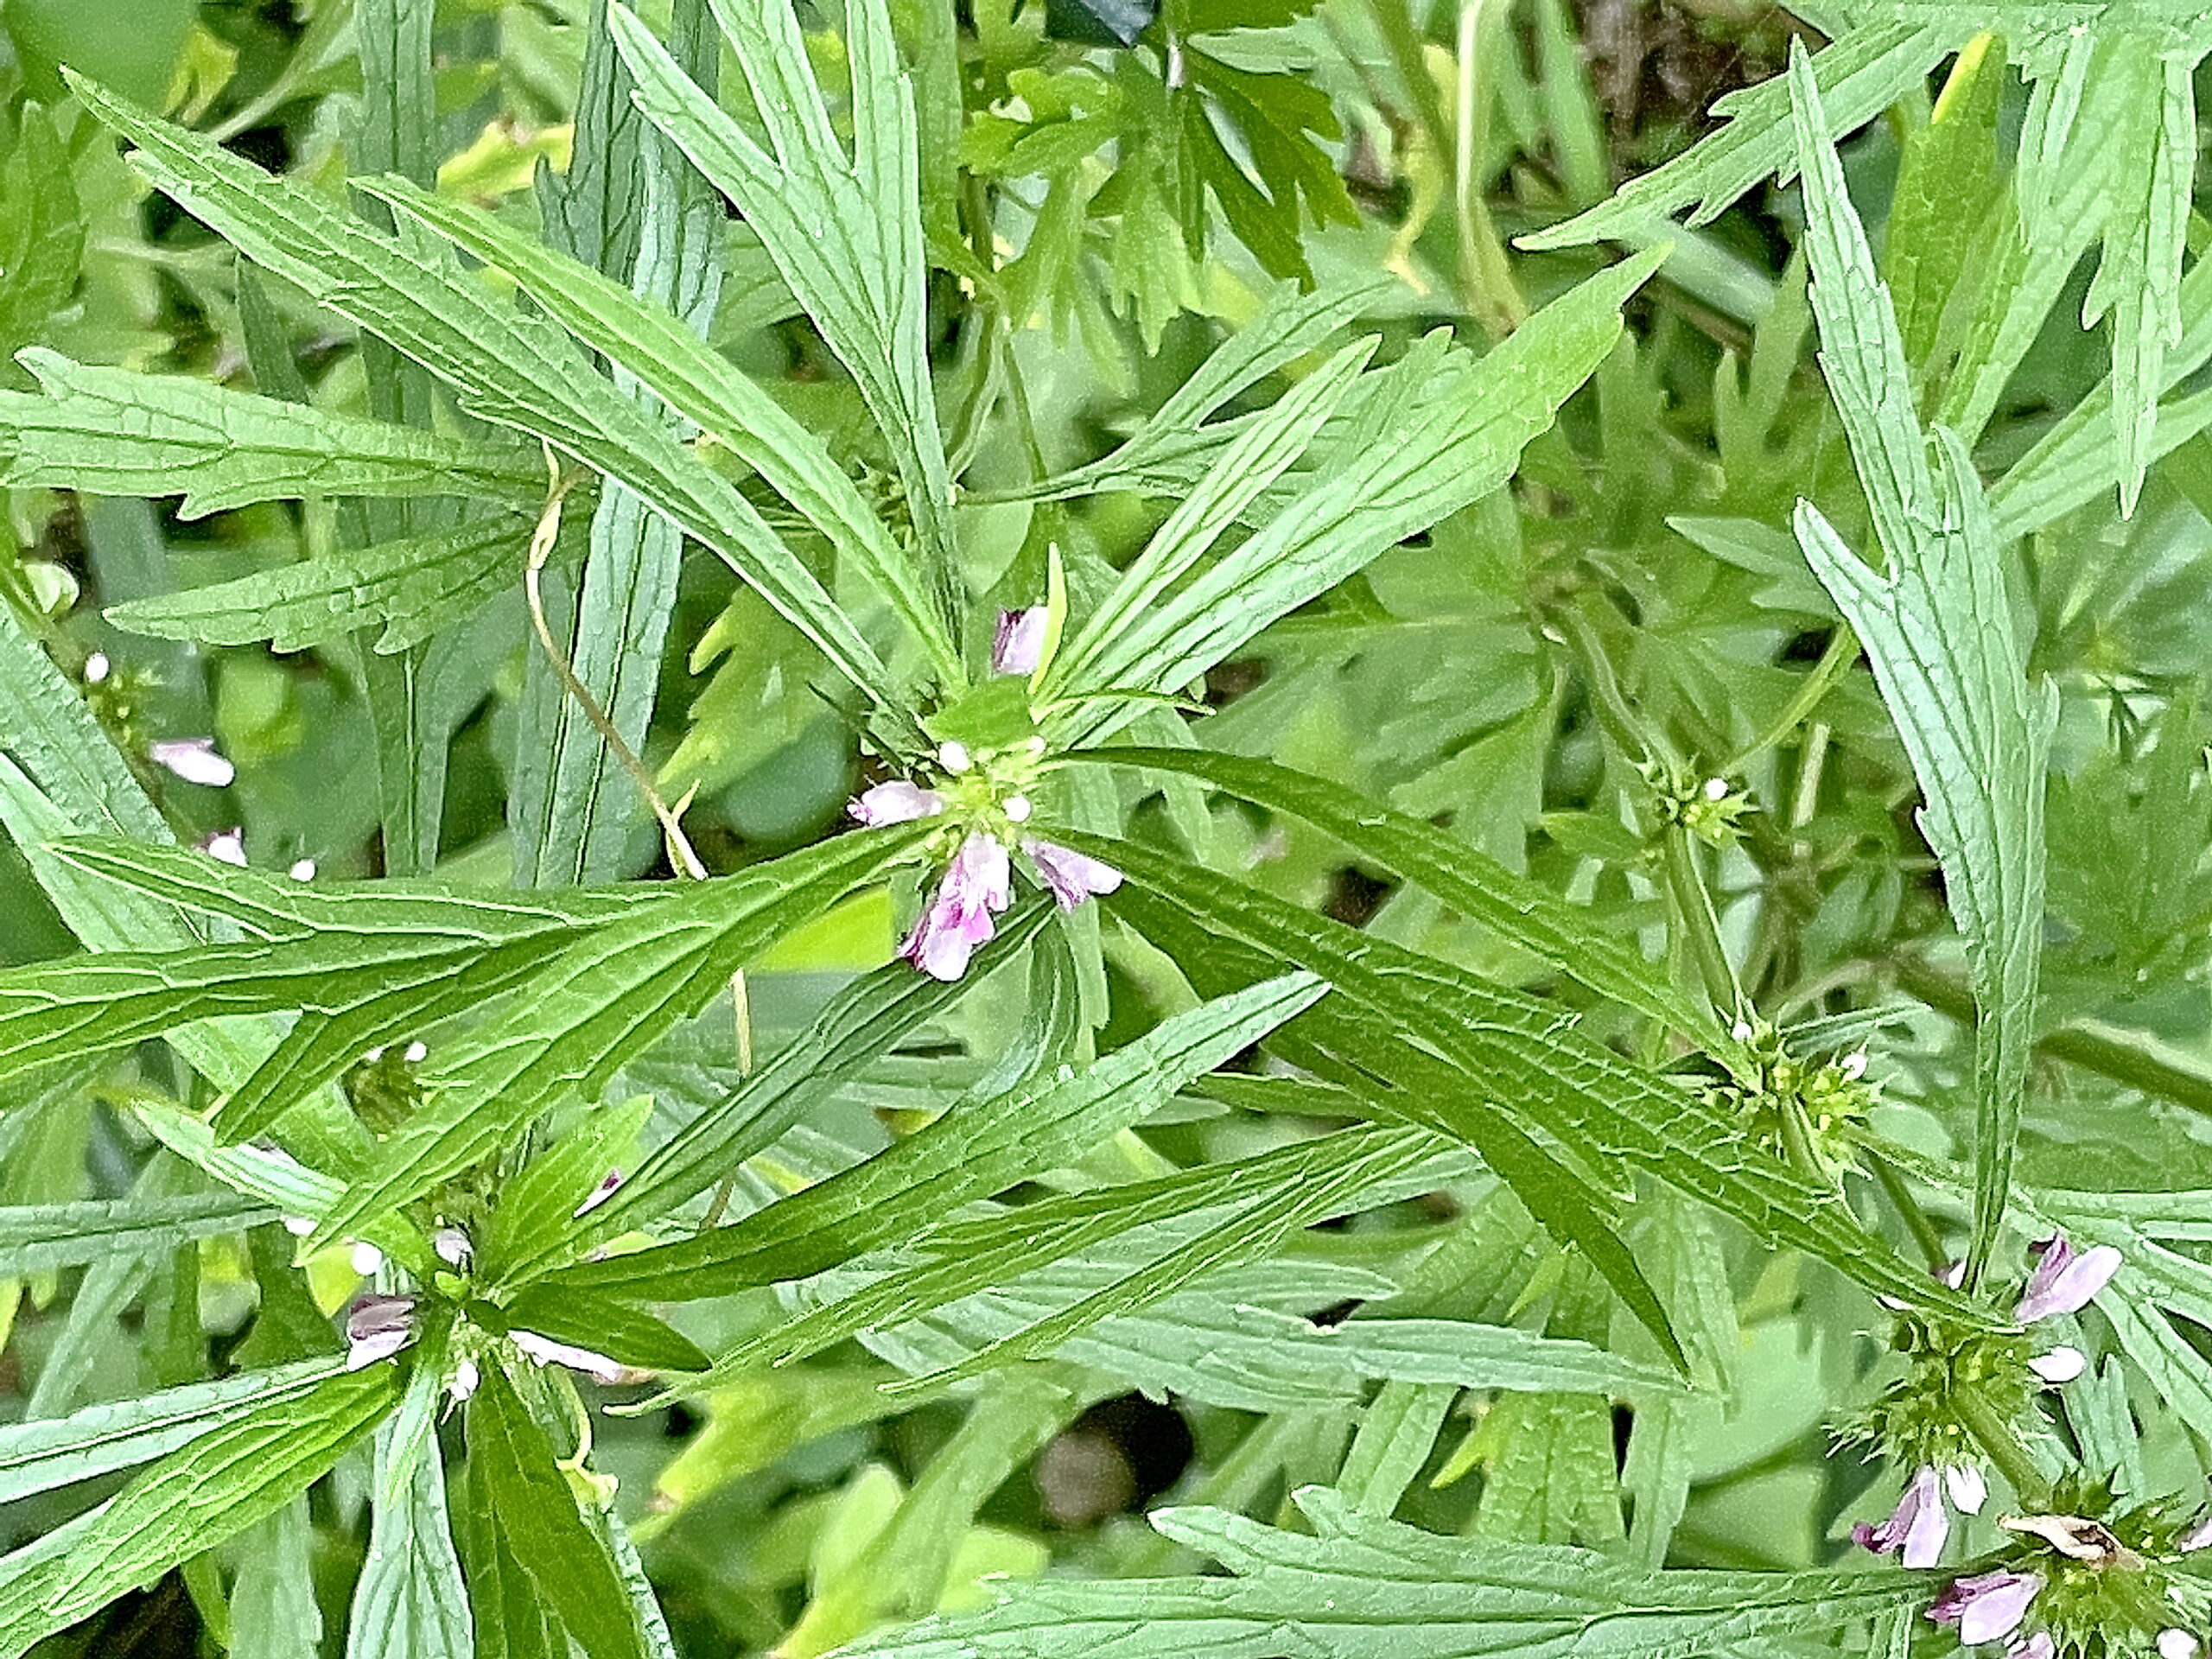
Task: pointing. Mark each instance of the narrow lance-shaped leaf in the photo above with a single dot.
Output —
(45, 1237)
(1859, 76)
(409, 588)
(532, 1503)
(980, 1147)
(1525, 913)
(1938, 630)
(509, 368)
(218, 1484)
(603, 999)
(97, 1439)
(114, 432)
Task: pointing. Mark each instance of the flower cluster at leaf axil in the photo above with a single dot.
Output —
(1789, 1099)
(984, 793)
(2068, 1584)
(379, 1324)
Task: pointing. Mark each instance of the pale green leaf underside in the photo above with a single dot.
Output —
(1938, 630)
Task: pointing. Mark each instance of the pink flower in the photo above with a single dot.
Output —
(897, 801)
(1018, 643)
(226, 846)
(2064, 1282)
(194, 759)
(1987, 1606)
(1072, 876)
(377, 1327)
(1916, 1527)
(978, 884)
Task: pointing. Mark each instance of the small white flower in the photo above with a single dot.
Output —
(299, 1226)
(465, 1377)
(194, 759)
(452, 1247)
(225, 847)
(1968, 1490)
(1018, 808)
(97, 668)
(546, 1351)
(303, 870)
(373, 1056)
(2059, 1365)
(1741, 1031)
(366, 1257)
(1716, 788)
(2176, 1644)
(953, 757)
(1854, 1065)
(416, 1053)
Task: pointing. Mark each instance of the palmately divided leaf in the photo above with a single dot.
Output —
(1358, 1585)
(845, 232)
(1938, 630)
(1449, 431)
(703, 386)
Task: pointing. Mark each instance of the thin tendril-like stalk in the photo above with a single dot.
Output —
(686, 858)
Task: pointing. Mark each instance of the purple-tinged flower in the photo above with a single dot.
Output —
(896, 802)
(377, 1327)
(1987, 1606)
(194, 759)
(599, 1195)
(2176, 1644)
(2038, 1646)
(225, 846)
(1072, 876)
(546, 1351)
(2060, 1365)
(979, 883)
(2064, 1281)
(1018, 643)
(2197, 1537)
(1916, 1528)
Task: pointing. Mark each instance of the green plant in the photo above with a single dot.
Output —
(1273, 808)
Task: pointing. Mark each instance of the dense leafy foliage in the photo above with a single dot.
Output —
(1269, 827)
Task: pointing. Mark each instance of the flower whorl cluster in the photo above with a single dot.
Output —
(984, 795)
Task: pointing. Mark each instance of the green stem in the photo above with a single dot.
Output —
(1699, 924)
(1842, 652)
(1995, 1437)
(2126, 1057)
(1916, 1219)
